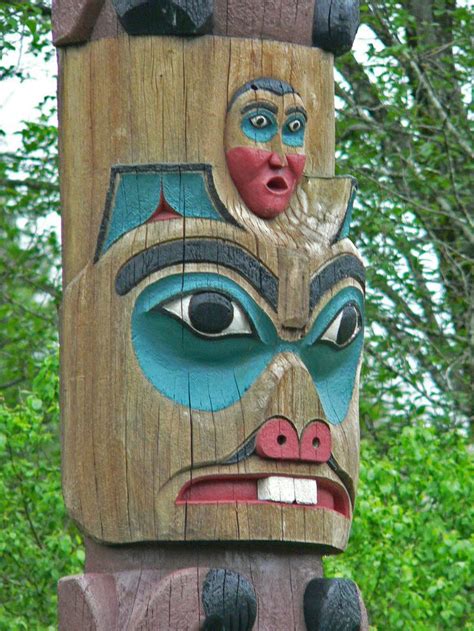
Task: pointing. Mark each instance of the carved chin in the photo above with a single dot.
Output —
(264, 200)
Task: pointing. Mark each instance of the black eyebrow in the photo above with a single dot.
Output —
(346, 266)
(296, 110)
(259, 105)
(216, 251)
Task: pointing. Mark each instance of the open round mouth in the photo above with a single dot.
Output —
(302, 492)
(277, 184)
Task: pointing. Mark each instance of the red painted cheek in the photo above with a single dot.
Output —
(264, 188)
(296, 162)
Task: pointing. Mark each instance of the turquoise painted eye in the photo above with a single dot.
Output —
(344, 328)
(293, 131)
(259, 125)
(201, 340)
(210, 314)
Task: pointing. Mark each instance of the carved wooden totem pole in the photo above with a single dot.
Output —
(213, 315)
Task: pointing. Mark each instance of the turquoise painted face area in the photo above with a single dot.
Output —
(259, 125)
(293, 131)
(210, 371)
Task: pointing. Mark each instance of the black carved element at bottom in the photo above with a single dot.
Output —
(229, 602)
(332, 604)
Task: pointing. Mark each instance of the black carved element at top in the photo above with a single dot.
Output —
(165, 17)
(335, 22)
(335, 25)
(229, 601)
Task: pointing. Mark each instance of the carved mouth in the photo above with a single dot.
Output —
(277, 185)
(308, 492)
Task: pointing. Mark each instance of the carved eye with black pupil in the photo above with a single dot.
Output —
(210, 314)
(344, 328)
(259, 121)
(295, 125)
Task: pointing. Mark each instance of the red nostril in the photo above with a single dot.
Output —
(277, 439)
(315, 445)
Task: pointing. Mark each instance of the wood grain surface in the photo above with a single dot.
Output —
(327, 24)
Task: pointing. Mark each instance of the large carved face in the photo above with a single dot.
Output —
(210, 371)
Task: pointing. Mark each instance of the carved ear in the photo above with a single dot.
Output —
(330, 202)
(229, 601)
(332, 604)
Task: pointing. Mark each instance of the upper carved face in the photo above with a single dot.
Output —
(265, 144)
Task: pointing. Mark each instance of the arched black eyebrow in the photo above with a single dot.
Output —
(296, 110)
(216, 251)
(255, 105)
(346, 266)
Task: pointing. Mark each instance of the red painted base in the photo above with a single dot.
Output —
(160, 588)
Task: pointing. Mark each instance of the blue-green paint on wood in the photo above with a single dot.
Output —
(211, 374)
(137, 196)
(346, 224)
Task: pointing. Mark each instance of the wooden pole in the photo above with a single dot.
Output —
(212, 322)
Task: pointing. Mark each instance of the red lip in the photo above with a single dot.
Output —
(277, 185)
(232, 489)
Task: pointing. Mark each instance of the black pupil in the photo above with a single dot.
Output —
(210, 312)
(348, 325)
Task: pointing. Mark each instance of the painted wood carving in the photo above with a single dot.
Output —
(213, 317)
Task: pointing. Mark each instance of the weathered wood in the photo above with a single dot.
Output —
(74, 20)
(173, 589)
(327, 24)
(213, 316)
(106, 119)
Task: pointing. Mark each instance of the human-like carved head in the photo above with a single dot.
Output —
(265, 144)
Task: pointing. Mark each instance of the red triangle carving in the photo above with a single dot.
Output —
(164, 211)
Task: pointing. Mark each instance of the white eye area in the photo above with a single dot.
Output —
(210, 313)
(259, 121)
(344, 328)
(295, 125)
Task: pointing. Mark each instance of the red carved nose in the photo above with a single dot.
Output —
(278, 440)
(277, 161)
(315, 444)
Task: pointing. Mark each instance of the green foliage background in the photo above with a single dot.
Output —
(411, 550)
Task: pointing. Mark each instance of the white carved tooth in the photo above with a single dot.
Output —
(276, 489)
(306, 491)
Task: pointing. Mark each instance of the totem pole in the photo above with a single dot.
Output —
(213, 315)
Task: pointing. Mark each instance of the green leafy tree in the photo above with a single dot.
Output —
(404, 132)
(38, 544)
(29, 199)
(412, 546)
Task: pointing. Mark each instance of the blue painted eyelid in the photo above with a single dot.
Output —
(259, 135)
(294, 139)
